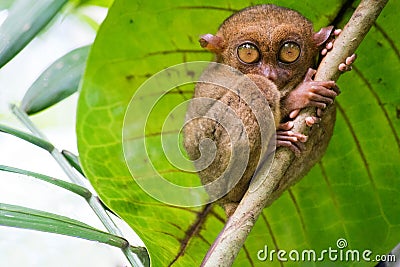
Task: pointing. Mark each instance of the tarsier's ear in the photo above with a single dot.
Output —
(323, 35)
(212, 43)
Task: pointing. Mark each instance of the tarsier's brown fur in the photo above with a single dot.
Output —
(268, 27)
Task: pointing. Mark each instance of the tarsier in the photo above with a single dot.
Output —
(276, 48)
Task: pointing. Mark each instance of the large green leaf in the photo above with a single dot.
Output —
(352, 193)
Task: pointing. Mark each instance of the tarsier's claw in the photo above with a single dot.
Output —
(297, 147)
(289, 145)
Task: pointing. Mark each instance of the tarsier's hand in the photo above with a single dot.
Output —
(346, 65)
(329, 42)
(310, 93)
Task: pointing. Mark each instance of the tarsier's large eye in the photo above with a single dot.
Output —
(289, 52)
(248, 53)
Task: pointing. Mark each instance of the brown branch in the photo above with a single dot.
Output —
(231, 239)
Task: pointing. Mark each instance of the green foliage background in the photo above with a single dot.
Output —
(353, 193)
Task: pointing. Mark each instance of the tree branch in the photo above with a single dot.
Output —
(230, 240)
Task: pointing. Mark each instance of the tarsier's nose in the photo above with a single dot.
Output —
(269, 72)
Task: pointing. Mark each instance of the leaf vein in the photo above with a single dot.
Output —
(390, 40)
(380, 103)
(210, 7)
(246, 251)
(192, 231)
(333, 197)
(271, 233)
(364, 159)
(296, 206)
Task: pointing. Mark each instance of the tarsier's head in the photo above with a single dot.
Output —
(267, 40)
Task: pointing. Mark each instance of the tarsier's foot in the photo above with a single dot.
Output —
(287, 138)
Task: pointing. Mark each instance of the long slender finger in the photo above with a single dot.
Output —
(281, 135)
(323, 91)
(327, 84)
(291, 146)
(320, 98)
(292, 139)
(286, 126)
(336, 89)
(316, 104)
(309, 75)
